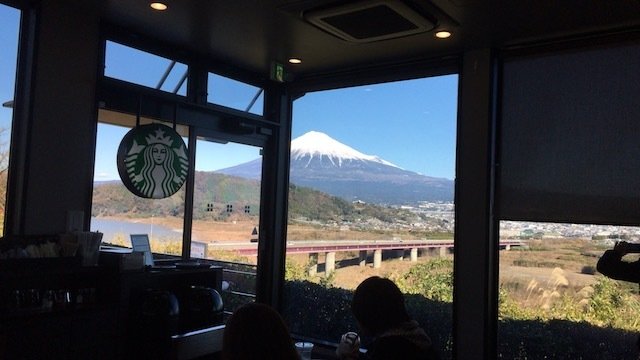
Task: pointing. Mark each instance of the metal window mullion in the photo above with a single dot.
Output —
(274, 193)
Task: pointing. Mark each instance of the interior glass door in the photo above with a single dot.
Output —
(226, 212)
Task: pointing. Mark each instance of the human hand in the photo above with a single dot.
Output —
(349, 346)
(622, 248)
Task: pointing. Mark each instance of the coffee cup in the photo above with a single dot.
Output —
(304, 349)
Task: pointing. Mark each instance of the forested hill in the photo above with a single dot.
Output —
(215, 192)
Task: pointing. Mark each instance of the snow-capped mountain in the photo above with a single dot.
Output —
(322, 163)
(322, 147)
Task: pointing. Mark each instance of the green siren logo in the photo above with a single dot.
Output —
(152, 161)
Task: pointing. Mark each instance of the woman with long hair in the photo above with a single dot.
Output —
(378, 306)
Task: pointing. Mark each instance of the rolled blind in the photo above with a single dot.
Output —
(569, 137)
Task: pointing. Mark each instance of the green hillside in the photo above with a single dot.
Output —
(214, 193)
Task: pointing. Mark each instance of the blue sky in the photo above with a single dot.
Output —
(410, 123)
(9, 23)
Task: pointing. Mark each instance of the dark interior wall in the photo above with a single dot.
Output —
(61, 131)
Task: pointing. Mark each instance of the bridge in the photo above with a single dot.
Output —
(331, 247)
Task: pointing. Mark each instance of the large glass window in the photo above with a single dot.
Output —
(222, 224)
(10, 18)
(568, 156)
(553, 301)
(226, 213)
(372, 171)
(234, 94)
(143, 68)
(118, 213)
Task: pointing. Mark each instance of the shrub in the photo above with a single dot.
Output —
(534, 263)
(324, 313)
(295, 271)
(433, 280)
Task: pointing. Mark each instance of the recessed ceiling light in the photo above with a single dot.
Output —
(158, 6)
(443, 34)
(295, 61)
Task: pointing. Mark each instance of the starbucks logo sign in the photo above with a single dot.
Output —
(152, 161)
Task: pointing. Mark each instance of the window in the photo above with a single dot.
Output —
(554, 301)
(226, 212)
(372, 171)
(235, 94)
(142, 68)
(10, 18)
(568, 160)
(116, 212)
(221, 224)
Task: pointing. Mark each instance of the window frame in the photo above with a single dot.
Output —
(230, 124)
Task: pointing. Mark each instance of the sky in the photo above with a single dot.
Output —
(409, 123)
(9, 23)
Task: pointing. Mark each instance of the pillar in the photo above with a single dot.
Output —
(414, 254)
(507, 247)
(476, 255)
(330, 263)
(313, 264)
(363, 258)
(377, 258)
(62, 86)
(443, 251)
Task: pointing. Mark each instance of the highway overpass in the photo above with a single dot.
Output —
(331, 247)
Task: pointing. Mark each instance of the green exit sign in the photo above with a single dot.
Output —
(277, 72)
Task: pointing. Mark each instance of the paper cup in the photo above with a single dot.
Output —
(304, 349)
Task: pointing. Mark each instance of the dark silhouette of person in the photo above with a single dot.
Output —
(257, 332)
(378, 306)
(611, 265)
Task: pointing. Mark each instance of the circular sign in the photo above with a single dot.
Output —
(152, 161)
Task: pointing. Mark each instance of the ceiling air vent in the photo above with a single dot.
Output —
(368, 21)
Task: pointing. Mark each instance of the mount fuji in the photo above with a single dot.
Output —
(322, 163)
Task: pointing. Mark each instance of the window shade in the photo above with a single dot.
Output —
(569, 137)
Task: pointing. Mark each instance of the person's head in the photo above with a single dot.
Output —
(256, 331)
(378, 305)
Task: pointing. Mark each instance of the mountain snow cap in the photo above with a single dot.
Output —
(319, 144)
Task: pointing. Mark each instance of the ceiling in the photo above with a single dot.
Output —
(251, 34)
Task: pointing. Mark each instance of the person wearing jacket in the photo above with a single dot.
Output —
(378, 306)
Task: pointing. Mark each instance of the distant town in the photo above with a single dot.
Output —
(444, 211)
